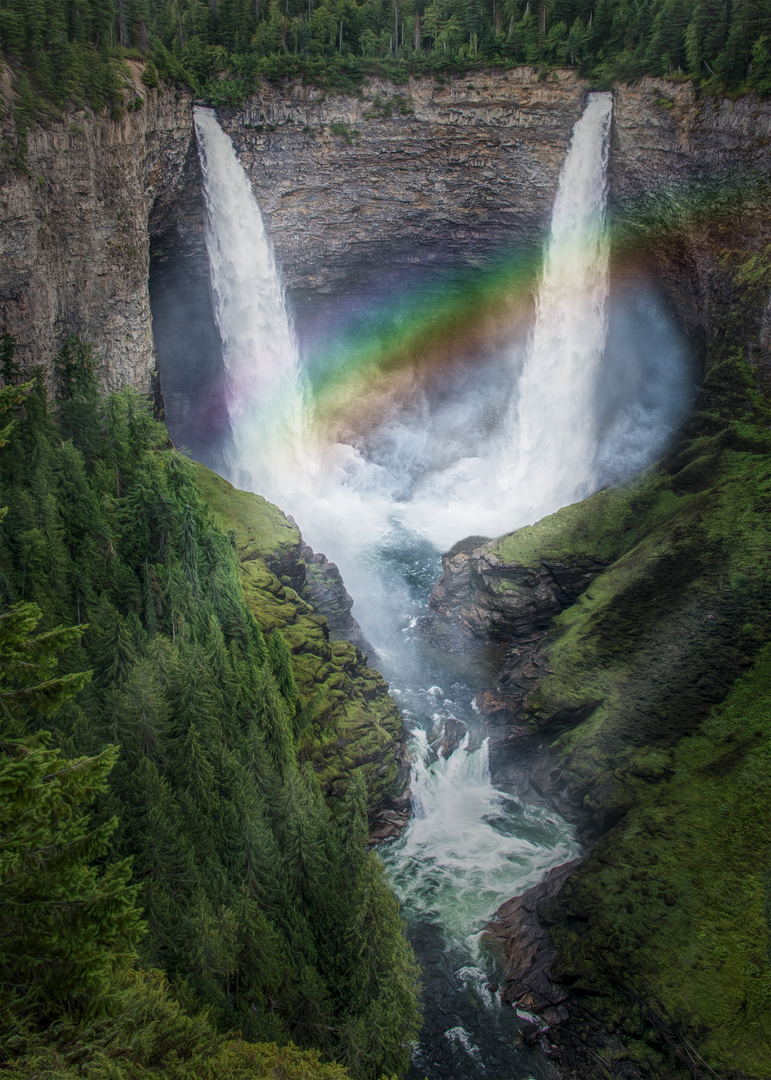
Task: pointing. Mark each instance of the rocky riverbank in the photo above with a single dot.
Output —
(646, 685)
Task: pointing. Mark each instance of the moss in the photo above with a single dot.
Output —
(597, 528)
(356, 725)
(657, 704)
(677, 895)
(664, 622)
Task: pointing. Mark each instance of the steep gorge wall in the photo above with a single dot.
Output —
(357, 191)
(431, 173)
(74, 248)
(354, 189)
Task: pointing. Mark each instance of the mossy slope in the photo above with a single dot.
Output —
(657, 707)
(356, 725)
(675, 901)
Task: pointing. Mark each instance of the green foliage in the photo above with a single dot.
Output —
(681, 892)
(656, 708)
(253, 894)
(65, 927)
(73, 53)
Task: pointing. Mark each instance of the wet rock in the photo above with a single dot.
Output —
(484, 598)
(453, 732)
(530, 1035)
(520, 931)
(498, 709)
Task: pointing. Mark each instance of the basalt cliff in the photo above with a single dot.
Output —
(635, 624)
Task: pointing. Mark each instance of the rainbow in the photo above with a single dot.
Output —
(428, 331)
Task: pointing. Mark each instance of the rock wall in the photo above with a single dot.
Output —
(354, 188)
(427, 172)
(358, 190)
(687, 180)
(74, 247)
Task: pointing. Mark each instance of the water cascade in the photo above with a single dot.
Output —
(554, 430)
(383, 510)
(265, 392)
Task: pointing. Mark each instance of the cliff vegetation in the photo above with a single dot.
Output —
(173, 880)
(651, 690)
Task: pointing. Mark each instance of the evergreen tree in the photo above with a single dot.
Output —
(64, 926)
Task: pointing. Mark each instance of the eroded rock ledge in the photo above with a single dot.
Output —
(480, 596)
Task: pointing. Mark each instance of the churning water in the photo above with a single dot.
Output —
(586, 405)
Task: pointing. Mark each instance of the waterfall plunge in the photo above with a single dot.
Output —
(266, 400)
(541, 457)
(555, 432)
(378, 509)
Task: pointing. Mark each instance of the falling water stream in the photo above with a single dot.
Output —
(581, 413)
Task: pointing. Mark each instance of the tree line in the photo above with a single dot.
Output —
(69, 50)
(160, 837)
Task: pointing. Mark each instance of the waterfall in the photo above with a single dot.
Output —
(555, 416)
(460, 857)
(265, 390)
(384, 506)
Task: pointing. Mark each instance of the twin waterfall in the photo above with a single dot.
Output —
(555, 432)
(265, 398)
(580, 413)
(541, 456)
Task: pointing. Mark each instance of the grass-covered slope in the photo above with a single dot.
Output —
(356, 725)
(656, 705)
(664, 934)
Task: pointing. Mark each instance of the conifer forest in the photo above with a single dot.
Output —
(210, 867)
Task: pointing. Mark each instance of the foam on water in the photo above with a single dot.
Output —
(469, 846)
(582, 407)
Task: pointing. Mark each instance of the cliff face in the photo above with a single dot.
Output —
(74, 246)
(354, 189)
(421, 173)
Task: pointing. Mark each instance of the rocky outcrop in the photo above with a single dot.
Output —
(518, 931)
(74, 247)
(324, 584)
(480, 596)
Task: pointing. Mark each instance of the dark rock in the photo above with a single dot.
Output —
(530, 1035)
(486, 599)
(522, 936)
(325, 588)
(450, 739)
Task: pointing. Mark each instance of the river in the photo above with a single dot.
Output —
(385, 469)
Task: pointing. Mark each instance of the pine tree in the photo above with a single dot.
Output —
(64, 926)
(281, 663)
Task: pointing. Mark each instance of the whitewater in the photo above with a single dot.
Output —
(585, 406)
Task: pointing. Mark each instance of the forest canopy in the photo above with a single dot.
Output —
(62, 51)
(167, 851)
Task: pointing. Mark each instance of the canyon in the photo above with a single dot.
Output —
(627, 620)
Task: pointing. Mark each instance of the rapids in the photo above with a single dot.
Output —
(592, 394)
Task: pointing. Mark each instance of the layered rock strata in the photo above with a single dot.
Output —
(429, 172)
(74, 246)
